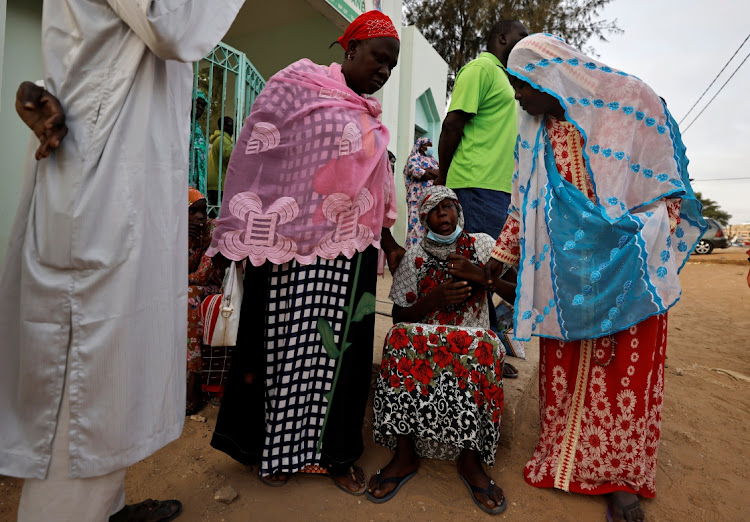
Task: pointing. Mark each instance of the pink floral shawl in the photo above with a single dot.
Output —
(309, 176)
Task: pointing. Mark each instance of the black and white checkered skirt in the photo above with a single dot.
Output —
(295, 371)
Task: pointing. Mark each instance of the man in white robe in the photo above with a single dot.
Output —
(93, 294)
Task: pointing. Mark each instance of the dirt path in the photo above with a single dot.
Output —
(704, 458)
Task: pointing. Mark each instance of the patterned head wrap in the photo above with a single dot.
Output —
(372, 24)
(418, 144)
(432, 197)
(194, 195)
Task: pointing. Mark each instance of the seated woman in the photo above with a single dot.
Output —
(439, 394)
(203, 280)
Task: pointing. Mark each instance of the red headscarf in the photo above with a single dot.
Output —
(372, 24)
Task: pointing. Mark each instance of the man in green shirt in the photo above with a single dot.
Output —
(478, 139)
(479, 133)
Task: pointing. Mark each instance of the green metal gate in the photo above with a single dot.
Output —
(231, 84)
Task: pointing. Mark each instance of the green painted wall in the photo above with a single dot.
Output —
(22, 60)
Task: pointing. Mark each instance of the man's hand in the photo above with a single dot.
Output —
(450, 137)
(44, 115)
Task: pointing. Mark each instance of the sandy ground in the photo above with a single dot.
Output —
(704, 458)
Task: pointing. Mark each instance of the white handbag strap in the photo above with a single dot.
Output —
(229, 283)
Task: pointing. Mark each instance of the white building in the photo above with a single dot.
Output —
(269, 35)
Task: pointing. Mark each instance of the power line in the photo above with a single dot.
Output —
(717, 93)
(718, 179)
(714, 80)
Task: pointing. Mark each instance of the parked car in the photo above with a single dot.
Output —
(713, 237)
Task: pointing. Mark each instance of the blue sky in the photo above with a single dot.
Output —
(678, 48)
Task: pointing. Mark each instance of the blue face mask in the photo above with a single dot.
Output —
(445, 240)
(430, 152)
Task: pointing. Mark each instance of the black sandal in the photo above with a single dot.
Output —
(476, 489)
(149, 511)
(399, 481)
(509, 371)
(613, 502)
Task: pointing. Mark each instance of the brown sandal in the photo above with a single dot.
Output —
(352, 472)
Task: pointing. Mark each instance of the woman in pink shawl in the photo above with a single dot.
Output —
(309, 198)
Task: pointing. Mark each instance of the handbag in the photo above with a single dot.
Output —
(504, 313)
(221, 312)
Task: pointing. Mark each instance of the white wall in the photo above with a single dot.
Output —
(422, 68)
(22, 60)
(389, 94)
(3, 5)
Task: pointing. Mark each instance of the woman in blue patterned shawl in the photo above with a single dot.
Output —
(602, 219)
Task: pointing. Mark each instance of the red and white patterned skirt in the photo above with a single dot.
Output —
(600, 409)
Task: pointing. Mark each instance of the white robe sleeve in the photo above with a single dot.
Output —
(183, 30)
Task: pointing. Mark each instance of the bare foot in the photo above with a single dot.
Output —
(404, 462)
(194, 395)
(353, 480)
(470, 468)
(624, 506)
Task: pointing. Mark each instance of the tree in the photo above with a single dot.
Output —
(712, 210)
(458, 29)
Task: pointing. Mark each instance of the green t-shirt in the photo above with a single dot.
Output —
(484, 158)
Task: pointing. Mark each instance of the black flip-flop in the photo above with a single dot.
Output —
(509, 371)
(399, 481)
(156, 511)
(476, 489)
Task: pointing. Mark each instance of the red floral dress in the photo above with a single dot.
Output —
(600, 400)
(203, 280)
(441, 380)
